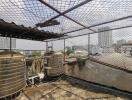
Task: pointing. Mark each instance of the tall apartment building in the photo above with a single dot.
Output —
(105, 38)
(5, 43)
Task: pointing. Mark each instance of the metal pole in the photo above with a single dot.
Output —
(47, 46)
(64, 49)
(71, 9)
(56, 10)
(88, 44)
(115, 20)
(10, 43)
(52, 47)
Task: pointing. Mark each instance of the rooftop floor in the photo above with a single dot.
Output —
(65, 90)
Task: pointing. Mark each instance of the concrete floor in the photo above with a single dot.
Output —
(63, 90)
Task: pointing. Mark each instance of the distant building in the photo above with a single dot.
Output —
(28, 53)
(78, 47)
(120, 42)
(80, 52)
(5, 43)
(108, 50)
(126, 48)
(105, 38)
(95, 49)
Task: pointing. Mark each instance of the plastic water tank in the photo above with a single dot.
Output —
(55, 65)
(12, 73)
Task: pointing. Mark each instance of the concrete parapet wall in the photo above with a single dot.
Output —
(101, 74)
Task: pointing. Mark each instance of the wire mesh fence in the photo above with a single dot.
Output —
(113, 47)
(24, 12)
(90, 14)
(108, 22)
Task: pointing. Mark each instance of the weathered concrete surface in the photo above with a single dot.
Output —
(64, 90)
(101, 74)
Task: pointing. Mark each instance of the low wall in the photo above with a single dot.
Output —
(98, 73)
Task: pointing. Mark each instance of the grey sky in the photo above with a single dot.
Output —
(58, 45)
(30, 45)
(94, 12)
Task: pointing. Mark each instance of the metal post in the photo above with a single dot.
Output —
(10, 43)
(52, 47)
(88, 44)
(63, 14)
(115, 20)
(47, 46)
(64, 49)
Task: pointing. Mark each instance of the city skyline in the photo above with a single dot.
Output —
(33, 45)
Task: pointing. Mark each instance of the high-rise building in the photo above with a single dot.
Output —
(5, 43)
(105, 38)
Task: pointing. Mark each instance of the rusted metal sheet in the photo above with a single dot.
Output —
(22, 32)
(48, 23)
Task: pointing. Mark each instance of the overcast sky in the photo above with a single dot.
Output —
(96, 11)
(83, 40)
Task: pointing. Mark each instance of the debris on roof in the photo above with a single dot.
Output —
(48, 23)
(22, 32)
